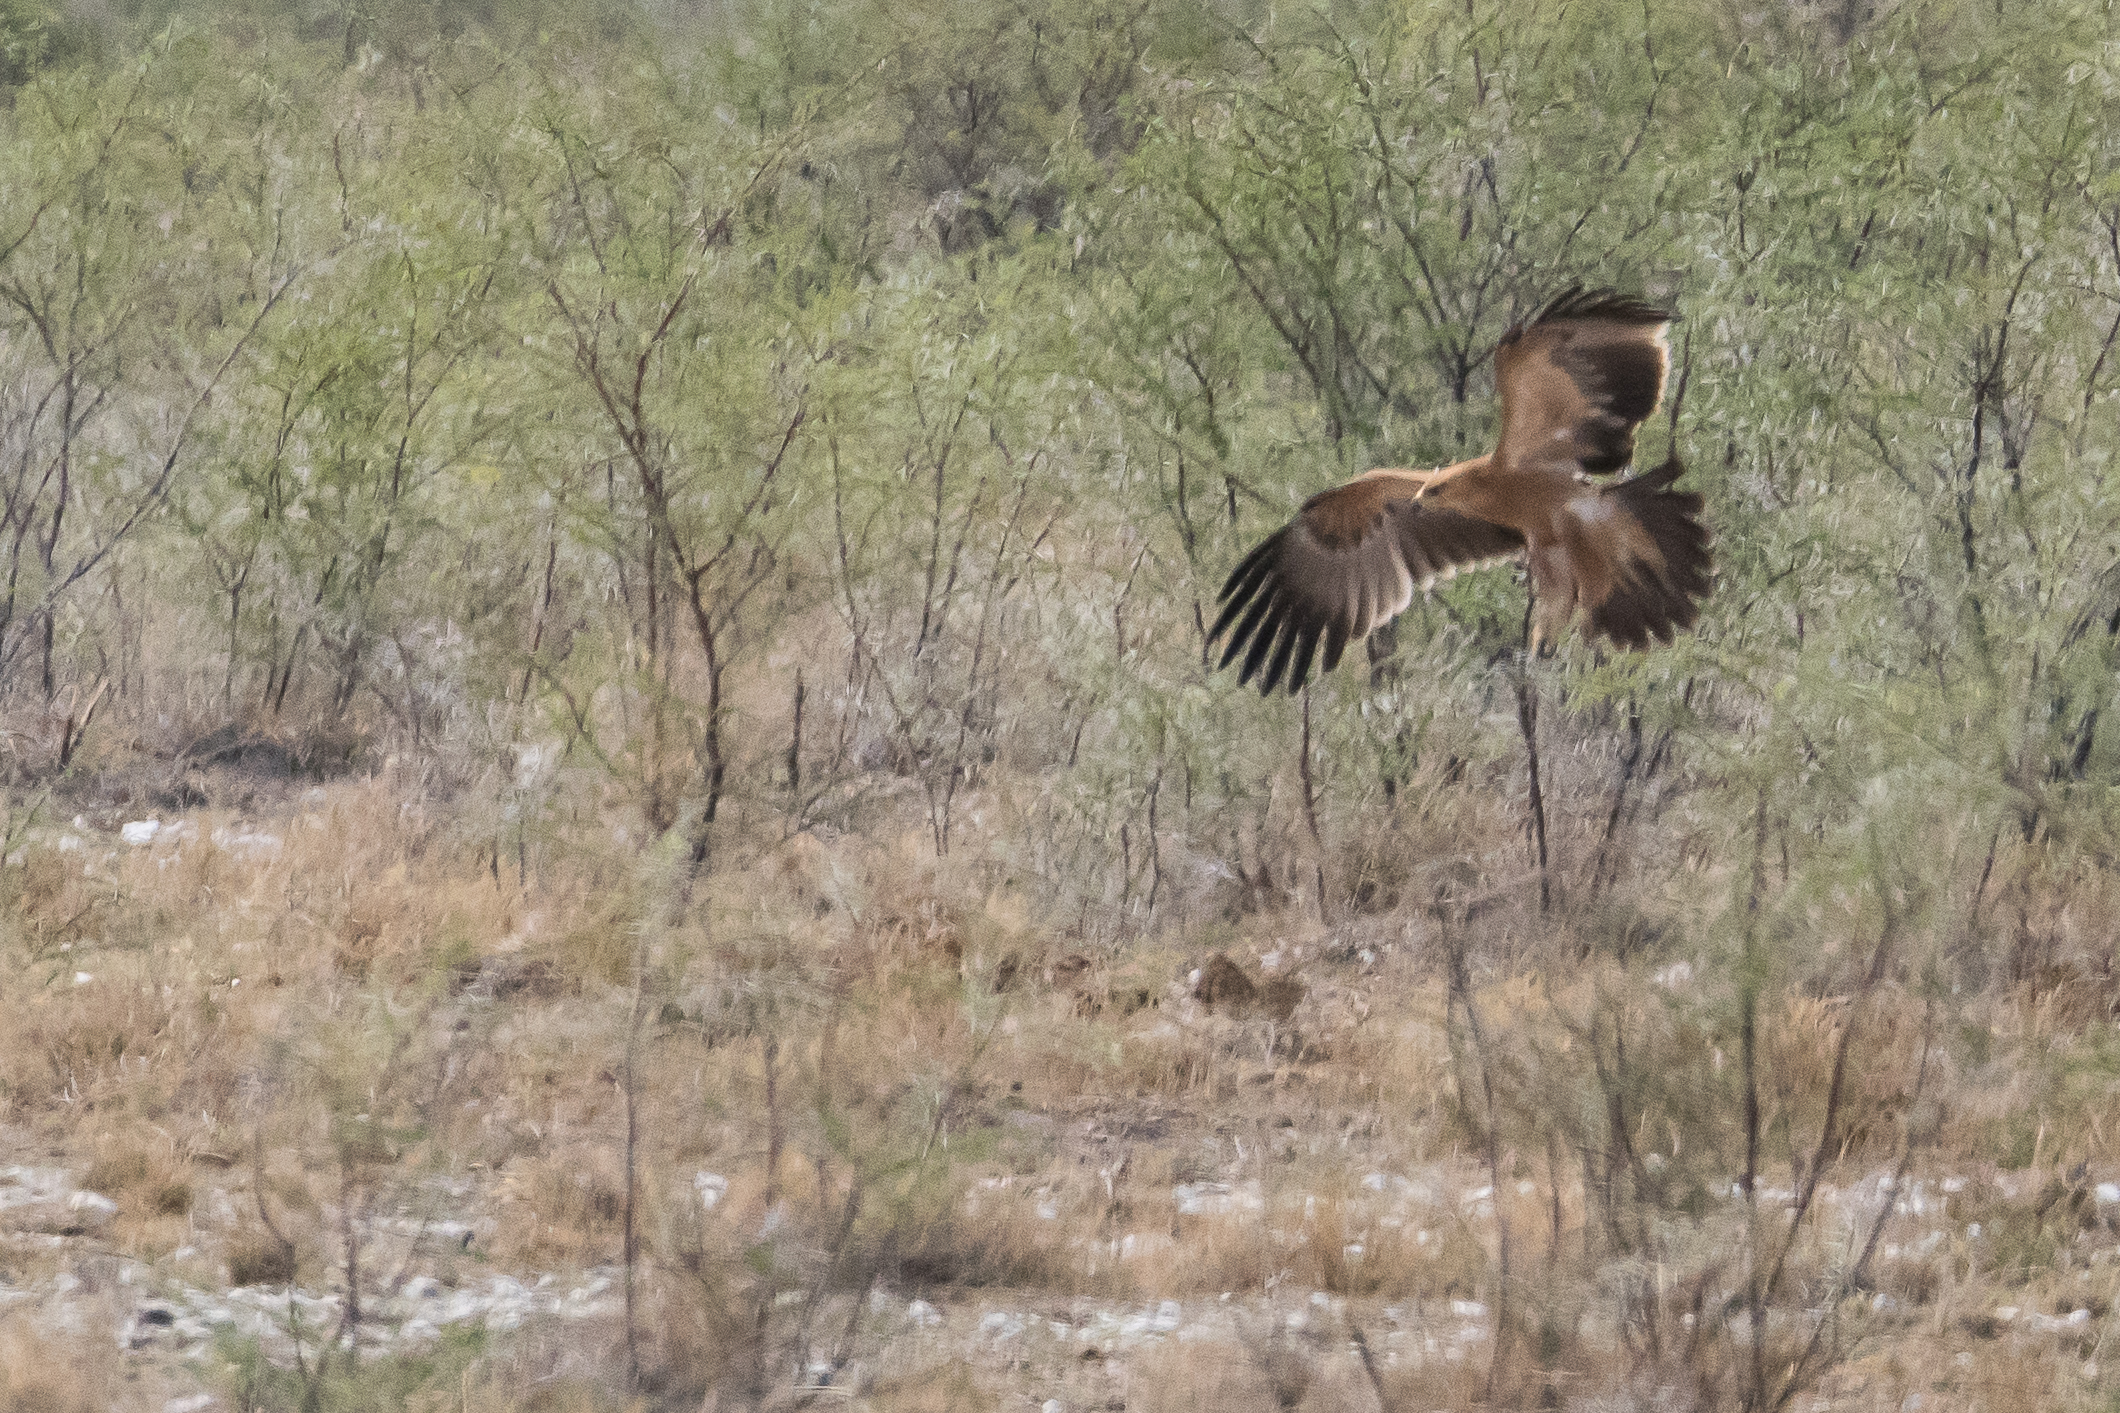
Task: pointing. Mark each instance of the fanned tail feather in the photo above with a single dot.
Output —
(1652, 601)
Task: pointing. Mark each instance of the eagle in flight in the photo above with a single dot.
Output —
(1575, 381)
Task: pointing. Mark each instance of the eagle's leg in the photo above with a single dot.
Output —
(1553, 597)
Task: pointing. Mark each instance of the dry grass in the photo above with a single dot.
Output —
(892, 1075)
(41, 1374)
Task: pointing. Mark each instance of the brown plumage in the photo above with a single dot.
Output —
(1575, 381)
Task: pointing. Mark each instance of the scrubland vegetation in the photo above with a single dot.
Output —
(648, 569)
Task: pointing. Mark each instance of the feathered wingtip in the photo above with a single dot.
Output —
(1576, 302)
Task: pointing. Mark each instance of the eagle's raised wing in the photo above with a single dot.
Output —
(1577, 379)
(1349, 561)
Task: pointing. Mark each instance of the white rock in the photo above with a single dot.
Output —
(999, 1325)
(1198, 1199)
(141, 831)
(246, 843)
(2107, 1193)
(711, 1187)
(190, 1403)
(922, 1313)
(532, 760)
(460, 1306)
(92, 1208)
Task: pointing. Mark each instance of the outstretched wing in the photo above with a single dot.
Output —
(1349, 561)
(1577, 379)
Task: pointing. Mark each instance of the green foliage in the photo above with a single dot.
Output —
(391, 1381)
(35, 37)
(834, 415)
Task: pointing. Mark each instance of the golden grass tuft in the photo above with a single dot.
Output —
(954, 1387)
(43, 1372)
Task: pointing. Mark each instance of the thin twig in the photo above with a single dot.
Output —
(1527, 723)
(1310, 810)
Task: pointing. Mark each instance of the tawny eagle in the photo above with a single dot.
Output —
(1575, 380)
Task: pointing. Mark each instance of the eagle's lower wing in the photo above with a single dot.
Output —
(1577, 379)
(1348, 562)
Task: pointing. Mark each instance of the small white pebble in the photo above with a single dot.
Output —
(92, 1204)
(141, 831)
(711, 1187)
